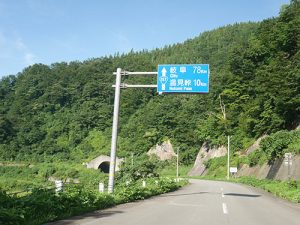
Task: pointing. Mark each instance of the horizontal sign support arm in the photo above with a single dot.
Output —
(136, 85)
(136, 73)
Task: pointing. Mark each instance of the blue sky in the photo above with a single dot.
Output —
(49, 31)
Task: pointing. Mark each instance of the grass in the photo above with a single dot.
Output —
(36, 202)
(170, 171)
(15, 178)
(278, 188)
(42, 205)
(281, 189)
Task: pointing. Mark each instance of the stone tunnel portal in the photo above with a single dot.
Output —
(104, 167)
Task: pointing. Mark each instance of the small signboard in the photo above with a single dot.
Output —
(286, 163)
(288, 155)
(288, 159)
(183, 78)
(233, 169)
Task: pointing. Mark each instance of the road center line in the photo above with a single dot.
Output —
(225, 210)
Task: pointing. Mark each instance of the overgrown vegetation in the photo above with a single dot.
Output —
(271, 148)
(274, 146)
(279, 188)
(22, 177)
(31, 198)
(63, 112)
(42, 205)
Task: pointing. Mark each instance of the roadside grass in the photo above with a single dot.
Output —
(44, 205)
(16, 178)
(281, 189)
(170, 171)
(27, 193)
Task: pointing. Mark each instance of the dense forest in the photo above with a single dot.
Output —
(63, 111)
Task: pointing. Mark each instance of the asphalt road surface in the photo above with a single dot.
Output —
(201, 202)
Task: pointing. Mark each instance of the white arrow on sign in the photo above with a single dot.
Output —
(164, 72)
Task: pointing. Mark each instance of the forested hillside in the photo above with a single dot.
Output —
(64, 111)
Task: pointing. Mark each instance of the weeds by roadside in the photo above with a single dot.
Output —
(44, 205)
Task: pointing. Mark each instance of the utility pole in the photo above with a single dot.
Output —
(228, 137)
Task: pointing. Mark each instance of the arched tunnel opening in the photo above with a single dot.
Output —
(104, 167)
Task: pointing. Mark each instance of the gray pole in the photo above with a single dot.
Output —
(228, 156)
(289, 173)
(177, 171)
(114, 133)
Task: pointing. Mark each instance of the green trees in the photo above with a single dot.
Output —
(59, 112)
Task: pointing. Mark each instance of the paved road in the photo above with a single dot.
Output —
(201, 202)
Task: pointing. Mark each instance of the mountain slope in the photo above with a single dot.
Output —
(64, 111)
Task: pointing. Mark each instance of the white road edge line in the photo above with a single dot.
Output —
(225, 210)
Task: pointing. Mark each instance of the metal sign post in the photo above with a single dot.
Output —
(183, 78)
(288, 162)
(118, 86)
(114, 133)
(228, 157)
(177, 165)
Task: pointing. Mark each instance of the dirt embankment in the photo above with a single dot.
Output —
(278, 170)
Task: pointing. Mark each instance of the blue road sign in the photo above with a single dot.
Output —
(185, 78)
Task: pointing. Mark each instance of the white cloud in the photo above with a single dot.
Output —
(19, 44)
(29, 58)
(14, 51)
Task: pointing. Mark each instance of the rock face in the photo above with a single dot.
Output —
(205, 154)
(278, 170)
(164, 151)
(255, 145)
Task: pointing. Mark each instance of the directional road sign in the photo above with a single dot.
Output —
(183, 78)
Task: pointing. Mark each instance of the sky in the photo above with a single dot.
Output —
(50, 31)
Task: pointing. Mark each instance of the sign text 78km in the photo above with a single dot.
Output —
(183, 78)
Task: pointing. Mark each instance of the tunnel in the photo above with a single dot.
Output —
(104, 167)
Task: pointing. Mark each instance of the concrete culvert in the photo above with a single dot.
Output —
(104, 167)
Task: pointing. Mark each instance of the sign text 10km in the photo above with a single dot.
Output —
(184, 78)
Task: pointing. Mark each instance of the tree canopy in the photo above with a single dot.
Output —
(63, 111)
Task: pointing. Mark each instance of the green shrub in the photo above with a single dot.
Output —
(278, 188)
(141, 169)
(44, 205)
(274, 146)
(257, 158)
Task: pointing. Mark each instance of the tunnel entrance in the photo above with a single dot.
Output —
(104, 167)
